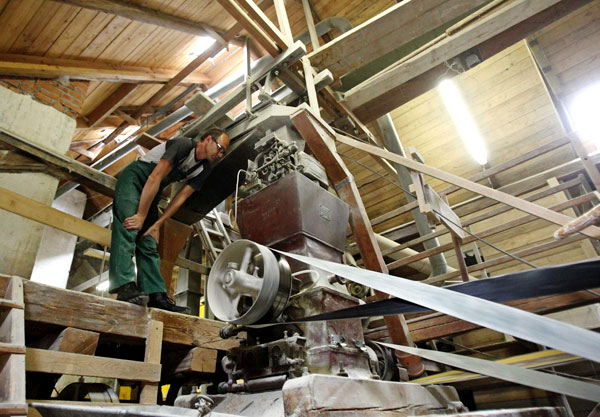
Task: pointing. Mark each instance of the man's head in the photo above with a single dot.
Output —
(212, 145)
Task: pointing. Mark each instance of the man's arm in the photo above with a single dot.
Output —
(149, 191)
(171, 209)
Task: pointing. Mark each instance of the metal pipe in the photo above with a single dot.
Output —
(392, 143)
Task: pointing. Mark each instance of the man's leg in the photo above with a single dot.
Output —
(122, 240)
(148, 264)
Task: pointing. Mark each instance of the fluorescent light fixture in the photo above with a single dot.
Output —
(103, 286)
(584, 114)
(202, 44)
(465, 124)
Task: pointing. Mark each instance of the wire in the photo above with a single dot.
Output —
(515, 257)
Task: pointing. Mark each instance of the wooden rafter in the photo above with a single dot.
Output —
(111, 103)
(44, 67)
(147, 15)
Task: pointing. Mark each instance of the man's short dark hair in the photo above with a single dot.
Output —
(215, 132)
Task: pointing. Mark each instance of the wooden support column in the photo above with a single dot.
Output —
(320, 139)
(149, 391)
(460, 257)
(314, 39)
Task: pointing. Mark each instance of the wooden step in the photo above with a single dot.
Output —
(11, 348)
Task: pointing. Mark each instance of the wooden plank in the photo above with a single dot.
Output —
(380, 35)
(314, 39)
(79, 69)
(33, 210)
(147, 15)
(497, 21)
(63, 165)
(12, 384)
(152, 354)
(590, 167)
(111, 103)
(53, 362)
(499, 196)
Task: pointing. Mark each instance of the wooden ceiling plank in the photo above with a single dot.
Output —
(13, 20)
(105, 37)
(33, 27)
(87, 36)
(72, 32)
(53, 30)
(144, 14)
(43, 67)
(110, 104)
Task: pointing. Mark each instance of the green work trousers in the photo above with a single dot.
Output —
(127, 243)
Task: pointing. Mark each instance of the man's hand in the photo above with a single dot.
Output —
(153, 231)
(134, 222)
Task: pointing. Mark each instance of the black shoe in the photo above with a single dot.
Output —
(130, 293)
(160, 300)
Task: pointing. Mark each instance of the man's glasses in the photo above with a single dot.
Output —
(221, 147)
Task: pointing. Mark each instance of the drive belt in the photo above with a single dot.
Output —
(538, 282)
(486, 313)
(510, 373)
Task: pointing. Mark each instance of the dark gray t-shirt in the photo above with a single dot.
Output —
(181, 154)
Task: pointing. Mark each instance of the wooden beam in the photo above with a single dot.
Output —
(77, 69)
(265, 23)
(252, 27)
(31, 209)
(140, 13)
(380, 35)
(53, 362)
(62, 165)
(590, 167)
(389, 81)
(110, 104)
(282, 19)
(194, 360)
(515, 202)
(314, 39)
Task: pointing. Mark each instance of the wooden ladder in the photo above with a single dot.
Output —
(12, 350)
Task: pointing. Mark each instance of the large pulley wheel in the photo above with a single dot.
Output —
(247, 284)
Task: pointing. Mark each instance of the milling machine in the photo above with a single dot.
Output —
(297, 369)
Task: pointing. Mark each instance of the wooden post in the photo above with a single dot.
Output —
(314, 39)
(149, 391)
(460, 257)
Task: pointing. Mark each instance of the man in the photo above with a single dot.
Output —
(135, 213)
